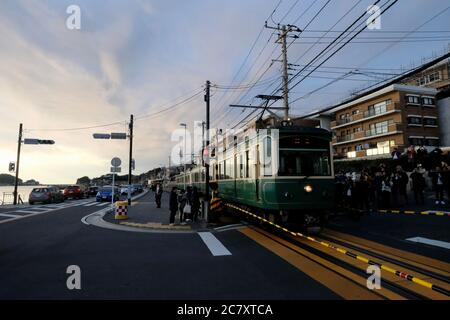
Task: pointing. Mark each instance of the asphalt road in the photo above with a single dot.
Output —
(36, 250)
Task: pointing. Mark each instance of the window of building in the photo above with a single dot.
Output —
(412, 99)
(354, 112)
(429, 78)
(351, 154)
(432, 122)
(381, 148)
(359, 147)
(431, 142)
(415, 141)
(379, 128)
(414, 120)
(428, 101)
(378, 108)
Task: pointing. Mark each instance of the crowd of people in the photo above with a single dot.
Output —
(386, 185)
(185, 203)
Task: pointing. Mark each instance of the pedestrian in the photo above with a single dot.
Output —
(173, 204)
(195, 204)
(446, 173)
(411, 154)
(386, 190)
(436, 157)
(181, 204)
(188, 204)
(418, 185)
(437, 178)
(399, 183)
(158, 195)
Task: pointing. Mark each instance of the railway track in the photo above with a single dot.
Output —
(342, 260)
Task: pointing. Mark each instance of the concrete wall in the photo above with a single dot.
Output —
(444, 120)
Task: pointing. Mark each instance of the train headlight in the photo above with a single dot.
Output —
(308, 188)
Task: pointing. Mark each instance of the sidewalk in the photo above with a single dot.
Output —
(143, 213)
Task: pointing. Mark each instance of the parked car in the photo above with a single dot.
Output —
(105, 194)
(45, 195)
(92, 191)
(74, 192)
(124, 189)
(139, 188)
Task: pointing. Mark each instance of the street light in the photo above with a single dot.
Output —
(185, 128)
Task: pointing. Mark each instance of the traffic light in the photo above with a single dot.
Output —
(12, 167)
(133, 164)
(46, 142)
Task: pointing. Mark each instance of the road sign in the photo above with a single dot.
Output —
(116, 170)
(31, 141)
(116, 162)
(101, 135)
(118, 135)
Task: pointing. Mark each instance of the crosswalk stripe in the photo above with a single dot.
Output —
(39, 208)
(9, 215)
(90, 204)
(101, 204)
(214, 245)
(26, 211)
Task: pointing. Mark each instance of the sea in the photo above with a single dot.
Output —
(7, 191)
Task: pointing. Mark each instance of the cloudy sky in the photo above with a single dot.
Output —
(144, 57)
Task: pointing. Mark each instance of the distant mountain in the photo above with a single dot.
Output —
(7, 179)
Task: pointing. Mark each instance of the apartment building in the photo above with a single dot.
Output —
(436, 76)
(394, 116)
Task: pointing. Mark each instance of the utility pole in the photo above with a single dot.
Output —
(130, 160)
(285, 73)
(282, 36)
(16, 180)
(206, 199)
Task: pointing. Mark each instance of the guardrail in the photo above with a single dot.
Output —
(7, 198)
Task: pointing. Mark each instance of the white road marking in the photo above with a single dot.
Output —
(214, 245)
(9, 215)
(27, 211)
(432, 242)
(90, 204)
(38, 208)
(101, 204)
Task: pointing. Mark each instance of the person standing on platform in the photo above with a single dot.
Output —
(158, 195)
(173, 204)
(195, 204)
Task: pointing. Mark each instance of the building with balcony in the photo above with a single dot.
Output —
(393, 116)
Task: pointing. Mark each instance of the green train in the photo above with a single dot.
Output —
(284, 173)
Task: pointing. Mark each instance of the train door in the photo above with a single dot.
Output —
(257, 168)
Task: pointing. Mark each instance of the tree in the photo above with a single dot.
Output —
(84, 180)
(8, 180)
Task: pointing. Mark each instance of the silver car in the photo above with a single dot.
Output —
(45, 195)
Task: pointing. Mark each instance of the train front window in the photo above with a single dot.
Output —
(304, 156)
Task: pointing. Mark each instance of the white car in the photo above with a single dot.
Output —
(124, 190)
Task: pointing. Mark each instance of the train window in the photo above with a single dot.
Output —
(247, 164)
(230, 169)
(303, 162)
(241, 166)
(267, 156)
(296, 141)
